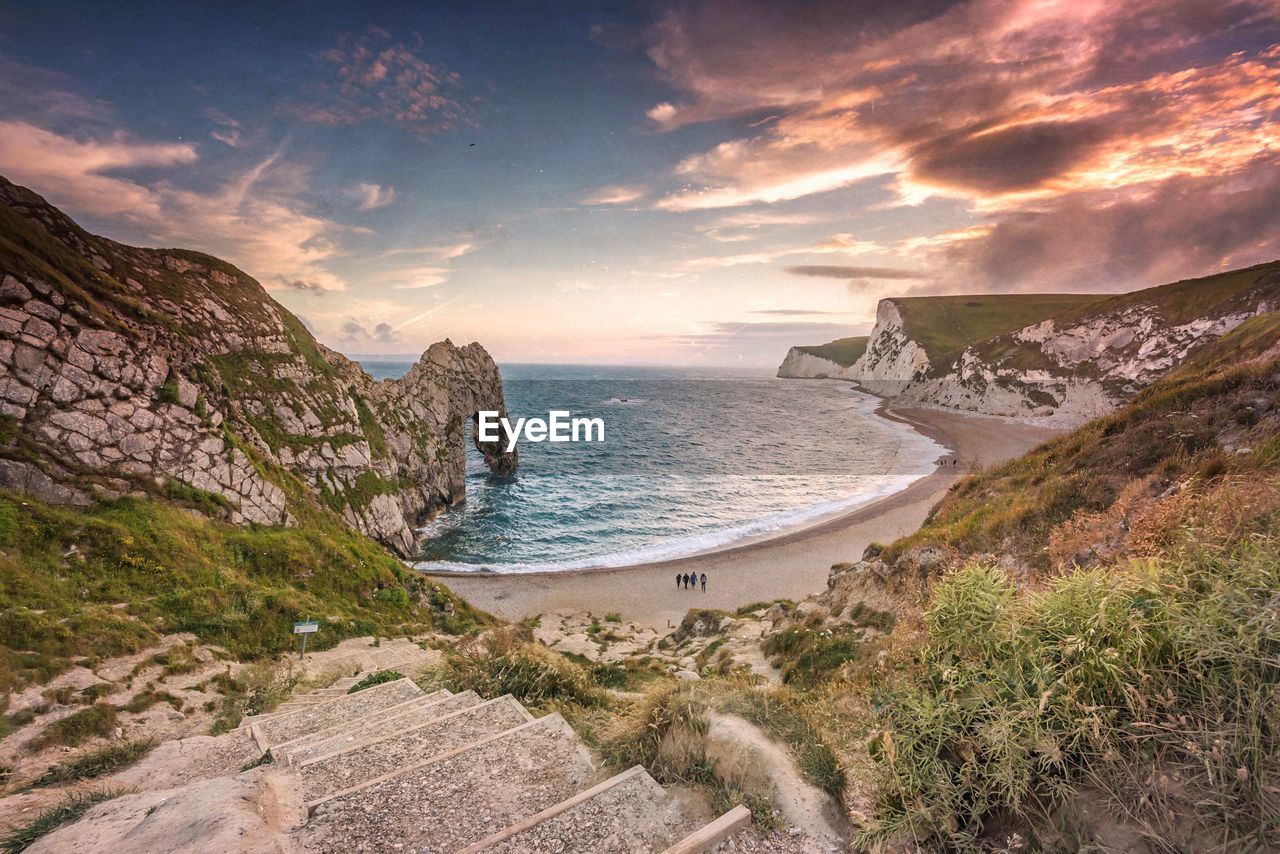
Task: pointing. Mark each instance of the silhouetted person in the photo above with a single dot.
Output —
(704, 582)
(679, 578)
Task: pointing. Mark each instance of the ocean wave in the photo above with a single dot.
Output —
(774, 524)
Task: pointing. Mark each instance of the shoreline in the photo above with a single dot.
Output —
(790, 565)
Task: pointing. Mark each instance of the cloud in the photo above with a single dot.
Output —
(298, 285)
(373, 196)
(981, 99)
(833, 271)
(839, 244)
(414, 278)
(1179, 228)
(229, 131)
(615, 194)
(795, 312)
(355, 333)
(446, 252)
(372, 77)
(254, 219)
(1014, 107)
(73, 170)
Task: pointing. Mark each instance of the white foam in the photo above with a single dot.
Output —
(914, 446)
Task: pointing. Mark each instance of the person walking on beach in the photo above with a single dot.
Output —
(679, 578)
(704, 582)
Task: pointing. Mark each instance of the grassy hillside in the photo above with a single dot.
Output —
(943, 325)
(1105, 632)
(84, 584)
(1174, 304)
(842, 351)
(1174, 429)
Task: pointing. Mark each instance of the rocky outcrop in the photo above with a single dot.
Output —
(1069, 368)
(801, 364)
(893, 357)
(128, 371)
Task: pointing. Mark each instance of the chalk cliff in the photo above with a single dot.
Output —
(129, 371)
(801, 364)
(1081, 358)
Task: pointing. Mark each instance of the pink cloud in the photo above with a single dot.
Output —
(255, 219)
(371, 77)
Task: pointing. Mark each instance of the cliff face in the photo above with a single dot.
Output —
(802, 365)
(171, 373)
(1060, 359)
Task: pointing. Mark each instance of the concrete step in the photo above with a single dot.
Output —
(627, 813)
(389, 721)
(710, 835)
(373, 757)
(288, 726)
(448, 802)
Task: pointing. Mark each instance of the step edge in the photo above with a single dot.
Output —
(284, 745)
(555, 810)
(302, 766)
(713, 832)
(449, 754)
(340, 699)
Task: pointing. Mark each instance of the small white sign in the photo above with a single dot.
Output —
(307, 627)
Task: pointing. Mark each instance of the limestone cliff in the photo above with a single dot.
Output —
(801, 364)
(826, 361)
(167, 372)
(1058, 358)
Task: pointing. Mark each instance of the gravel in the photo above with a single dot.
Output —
(449, 804)
(328, 774)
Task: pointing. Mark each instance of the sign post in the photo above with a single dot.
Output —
(304, 628)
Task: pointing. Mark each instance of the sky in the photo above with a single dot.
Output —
(659, 183)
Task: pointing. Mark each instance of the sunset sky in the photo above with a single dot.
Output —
(701, 183)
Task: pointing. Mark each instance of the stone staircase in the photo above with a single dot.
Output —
(393, 768)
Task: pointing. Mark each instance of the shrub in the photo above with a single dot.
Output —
(662, 731)
(1102, 678)
(375, 679)
(505, 662)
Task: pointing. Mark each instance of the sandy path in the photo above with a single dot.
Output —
(790, 566)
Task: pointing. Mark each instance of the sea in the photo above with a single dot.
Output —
(693, 460)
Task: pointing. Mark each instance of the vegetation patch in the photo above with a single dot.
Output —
(96, 763)
(507, 661)
(1108, 678)
(842, 351)
(96, 721)
(68, 810)
(375, 679)
(236, 587)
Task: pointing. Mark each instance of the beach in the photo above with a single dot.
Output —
(790, 566)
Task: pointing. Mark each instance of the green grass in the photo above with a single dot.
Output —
(509, 662)
(238, 587)
(1171, 430)
(96, 763)
(147, 698)
(253, 691)
(785, 715)
(96, 721)
(1107, 678)
(842, 351)
(68, 810)
(375, 679)
(943, 325)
